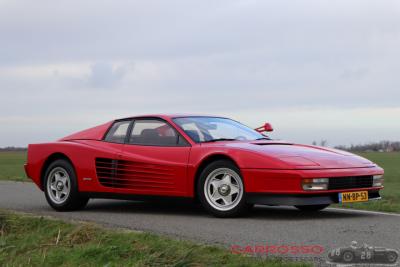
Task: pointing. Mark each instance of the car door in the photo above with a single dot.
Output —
(154, 159)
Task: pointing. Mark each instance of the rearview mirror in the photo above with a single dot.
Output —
(267, 127)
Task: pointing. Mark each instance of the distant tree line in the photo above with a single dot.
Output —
(321, 143)
(13, 148)
(382, 146)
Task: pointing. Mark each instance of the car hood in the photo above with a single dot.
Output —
(304, 156)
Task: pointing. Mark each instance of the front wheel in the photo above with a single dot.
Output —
(61, 187)
(392, 257)
(221, 191)
(312, 208)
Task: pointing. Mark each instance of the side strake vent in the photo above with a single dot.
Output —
(134, 175)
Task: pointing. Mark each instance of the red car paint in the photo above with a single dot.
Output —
(267, 166)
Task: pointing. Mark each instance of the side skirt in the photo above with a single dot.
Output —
(102, 195)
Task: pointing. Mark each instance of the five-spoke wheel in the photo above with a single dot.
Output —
(223, 189)
(58, 185)
(61, 188)
(220, 189)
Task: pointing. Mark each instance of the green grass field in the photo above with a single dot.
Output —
(37, 241)
(11, 168)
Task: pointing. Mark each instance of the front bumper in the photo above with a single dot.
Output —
(290, 181)
(300, 199)
(284, 187)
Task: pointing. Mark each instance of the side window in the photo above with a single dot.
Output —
(154, 133)
(193, 131)
(117, 133)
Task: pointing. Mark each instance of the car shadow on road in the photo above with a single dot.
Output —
(189, 208)
(290, 213)
(165, 207)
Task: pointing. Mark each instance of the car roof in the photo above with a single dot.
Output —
(171, 116)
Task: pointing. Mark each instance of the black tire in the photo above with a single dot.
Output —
(391, 257)
(74, 201)
(312, 208)
(348, 256)
(240, 208)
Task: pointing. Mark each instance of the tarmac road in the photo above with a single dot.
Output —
(330, 228)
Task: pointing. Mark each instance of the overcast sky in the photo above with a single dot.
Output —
(314, 69)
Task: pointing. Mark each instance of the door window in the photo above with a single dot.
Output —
(152, 132)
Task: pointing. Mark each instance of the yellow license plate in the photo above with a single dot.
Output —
(358, 196)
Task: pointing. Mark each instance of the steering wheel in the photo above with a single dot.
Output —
(241, 138)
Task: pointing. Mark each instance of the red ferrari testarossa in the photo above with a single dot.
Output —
(227, 166)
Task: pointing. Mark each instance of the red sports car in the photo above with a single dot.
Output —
(227, 166)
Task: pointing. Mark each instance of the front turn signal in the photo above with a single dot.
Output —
(310, 184)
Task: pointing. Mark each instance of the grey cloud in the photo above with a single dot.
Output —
(193, 56)
(109, 30)
(357, 73)
(104, 75)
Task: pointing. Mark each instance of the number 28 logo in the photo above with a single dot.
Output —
(366, 255)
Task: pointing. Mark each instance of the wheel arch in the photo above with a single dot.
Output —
(51, 158)
(205, 162)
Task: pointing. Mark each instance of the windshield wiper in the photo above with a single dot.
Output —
(263, 138)
(219, 139)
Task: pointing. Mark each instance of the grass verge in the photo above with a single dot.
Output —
(26, 240)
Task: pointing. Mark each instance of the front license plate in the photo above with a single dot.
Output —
(358, 196)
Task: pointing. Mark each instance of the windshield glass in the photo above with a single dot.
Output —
(208, 129)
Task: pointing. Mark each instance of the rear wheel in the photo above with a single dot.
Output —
(221, 191)
(61, 187)
(312, 207)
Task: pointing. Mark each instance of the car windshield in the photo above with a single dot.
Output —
(211, 129)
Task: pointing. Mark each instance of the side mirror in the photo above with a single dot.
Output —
(267, 127)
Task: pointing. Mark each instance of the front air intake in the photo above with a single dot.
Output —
(350, 182)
